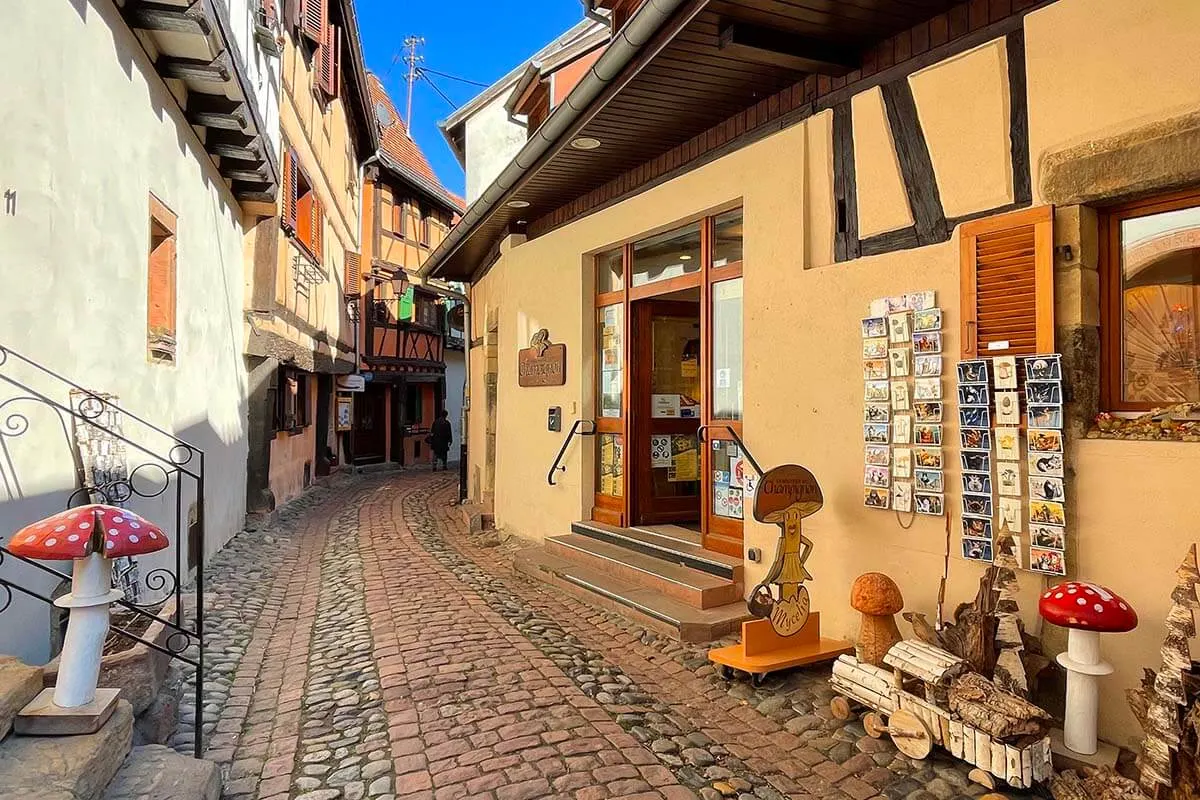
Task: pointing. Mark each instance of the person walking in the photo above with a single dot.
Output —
(440, 437)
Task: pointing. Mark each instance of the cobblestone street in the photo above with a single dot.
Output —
(365, 646)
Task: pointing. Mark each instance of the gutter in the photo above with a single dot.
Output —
(625, 47)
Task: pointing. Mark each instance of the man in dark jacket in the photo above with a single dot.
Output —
(440, 436)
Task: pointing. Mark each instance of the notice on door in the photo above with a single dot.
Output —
(664, 406)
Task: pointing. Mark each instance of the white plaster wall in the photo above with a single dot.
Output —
(87, 132)
(492, 141)
(261, 69)
(456, 375)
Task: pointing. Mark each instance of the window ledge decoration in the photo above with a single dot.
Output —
(1177, 423)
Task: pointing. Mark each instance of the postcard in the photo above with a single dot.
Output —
(976, 483)
(976, 462)
(1043, 368)
(897, 303)
(876, 391)
(927, 366)
(878, 455)
(898, 359)
(875, 498)
(919, 301)
(877, 412)
(1042, 488)
(1008, 408)
(875, 433)
(976, 528)
(973, 394)
(1049, 561)
(1045, 417)
(879, 477)
(1004, 372)
(1011, 510)
(1008, 444)
(930, 480)
(875, 369)
(1050, 536)
(927, 389)
(927, 457)
(974, 417)
(927, 343)
(1047, 512)
(1008, 478)
(902, 429)
(902, 496)
(898, 330)
(932, 504)
(975, 439)
(1047, 393)
(927, 433)
(977, 505)
(977, 549)
(928, 412)
(1045, 440)
(928, 319)
(874, 327)
(899, 395)
(902, 462)
(1050, 464)
(875, 348)
(972, 372)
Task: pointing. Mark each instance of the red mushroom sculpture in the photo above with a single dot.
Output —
(1087, 610)
(90, 536)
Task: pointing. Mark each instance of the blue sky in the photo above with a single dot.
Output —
(469, 38)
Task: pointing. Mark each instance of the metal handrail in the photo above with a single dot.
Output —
(746, 450)
(566, 442)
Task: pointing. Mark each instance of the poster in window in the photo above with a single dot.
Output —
(663, 406)
(660, 451)
(685, 459)
(727, 502)
(345, 408)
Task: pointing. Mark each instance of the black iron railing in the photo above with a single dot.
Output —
(562, 451)
(173, 465)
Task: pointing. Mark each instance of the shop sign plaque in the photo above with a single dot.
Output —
(542, 363)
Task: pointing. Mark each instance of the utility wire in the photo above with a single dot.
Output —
(454, 77)
(421, 74)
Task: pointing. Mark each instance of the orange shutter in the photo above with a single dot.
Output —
(287, 192)
(1008, 284)
(328, 57)
(353, 270)
(318, 229)
(312, 19)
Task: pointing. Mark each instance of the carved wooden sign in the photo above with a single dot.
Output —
(542, 363)
(785, 496)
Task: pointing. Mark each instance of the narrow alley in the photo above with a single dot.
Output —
(367, 646)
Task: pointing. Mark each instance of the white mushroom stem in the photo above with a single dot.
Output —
(1083, 665)
(79, 664)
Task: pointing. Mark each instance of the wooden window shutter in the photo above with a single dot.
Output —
(1008, 284)
(291, 181)
(353, 272)
(328, 58)
(318, 229)
(312, 20)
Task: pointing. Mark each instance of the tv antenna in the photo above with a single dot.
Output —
(411, 57)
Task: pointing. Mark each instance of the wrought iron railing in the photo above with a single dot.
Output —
(576, 430)
(174, 464)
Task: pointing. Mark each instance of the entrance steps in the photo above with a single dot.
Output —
(668, 583)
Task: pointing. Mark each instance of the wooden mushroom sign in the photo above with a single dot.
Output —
(785, 496)
(88, 535)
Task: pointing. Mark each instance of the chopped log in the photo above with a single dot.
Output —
(1001, 715)
(1094, 784)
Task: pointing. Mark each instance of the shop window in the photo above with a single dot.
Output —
(1008, 284)
(610, 271)
(667, 255)
(303, 216)
(610, 478)
(611, 332)
(1150, 283)
(727, 350)
(160, 285)
(727, 239)
(292, 397)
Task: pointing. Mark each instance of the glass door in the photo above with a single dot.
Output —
(611, 375)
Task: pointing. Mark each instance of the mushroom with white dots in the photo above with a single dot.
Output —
(1087, 610)
(90, 536)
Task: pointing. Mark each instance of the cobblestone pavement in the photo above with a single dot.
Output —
(365, 646)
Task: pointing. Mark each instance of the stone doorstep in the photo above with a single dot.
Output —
(67, 767)
(155, 772)
(19, 684)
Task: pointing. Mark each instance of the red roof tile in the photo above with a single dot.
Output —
(396, 142)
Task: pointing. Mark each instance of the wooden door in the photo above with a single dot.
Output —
(666, 403)
(370, 421)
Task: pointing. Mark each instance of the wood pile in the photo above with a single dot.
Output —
(980, 703)
(1094, 784)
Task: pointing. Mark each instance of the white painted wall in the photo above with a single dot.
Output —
(261, 69)
(492, 141)
(456, 375)
(88, 132)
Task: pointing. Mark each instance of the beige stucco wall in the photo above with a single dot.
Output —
(882, 203)
(1136, 505)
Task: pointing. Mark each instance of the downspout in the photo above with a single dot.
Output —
(362, 183)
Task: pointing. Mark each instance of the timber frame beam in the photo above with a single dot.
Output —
(783, 49)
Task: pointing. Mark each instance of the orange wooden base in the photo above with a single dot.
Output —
(762, 650)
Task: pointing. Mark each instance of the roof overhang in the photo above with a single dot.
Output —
(359, 105)
(427, 189)
(676, 69)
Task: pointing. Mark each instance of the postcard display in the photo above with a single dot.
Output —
(902, 418)
(996, 490)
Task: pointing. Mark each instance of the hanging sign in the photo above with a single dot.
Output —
(351, 383)
(542, 363)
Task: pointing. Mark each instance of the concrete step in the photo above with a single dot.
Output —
(689, 586)
(155, 772)
(66, 767)
(19, 683)
(664, 548)
(647, 606)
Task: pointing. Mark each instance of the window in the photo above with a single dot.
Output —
(425, 311)
(1150, 285)
(292, 399)
(160, 284)
(667, 255)
(425, 220)
(412, 404)
(611, 333)
(610, 271)
(727, 350)
(303, 216)
(727, 239)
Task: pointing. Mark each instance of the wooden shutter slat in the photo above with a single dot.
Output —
(291, 181)
(312, 19)
(353, 273)
(1007, 283)
(318, 230)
